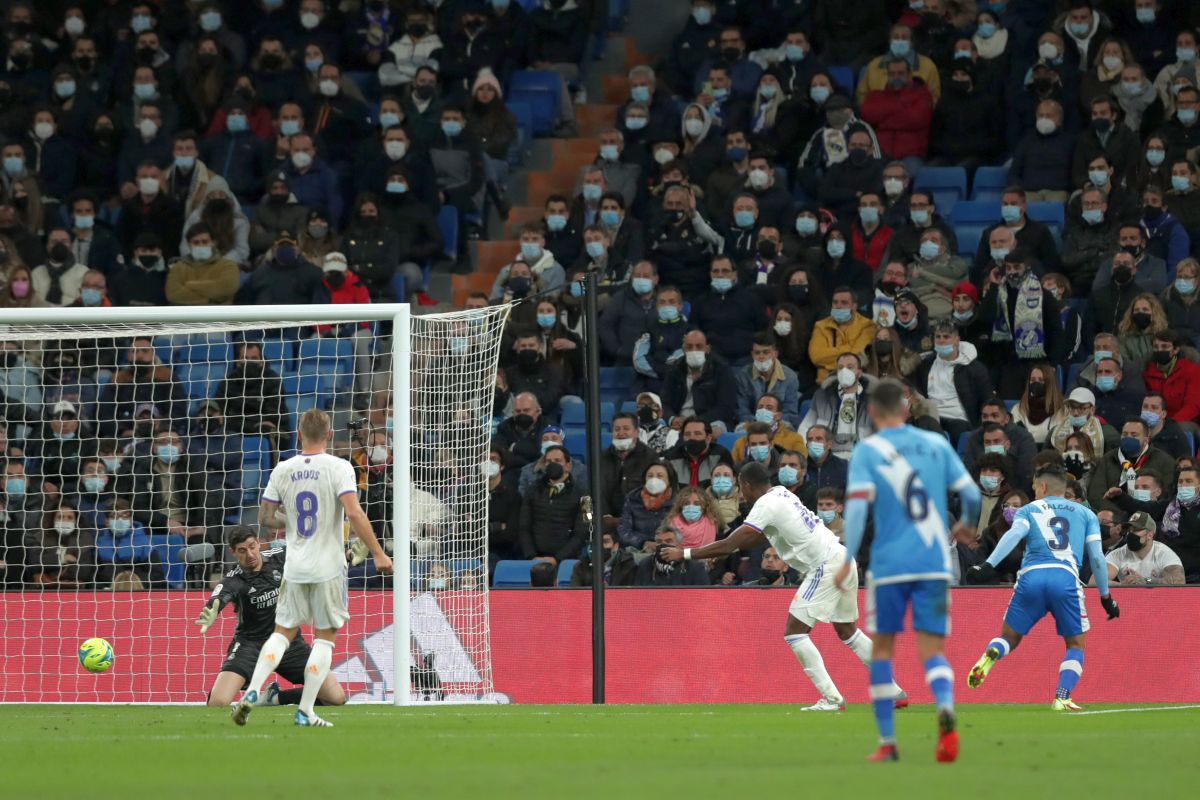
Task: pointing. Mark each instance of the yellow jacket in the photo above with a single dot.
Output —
(829, 340)
(784, 439)
(874, 77)
(212, 283)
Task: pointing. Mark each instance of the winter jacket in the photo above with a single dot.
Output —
(826, 404)
(213, 282)
(1022, 450)
(714, 393)
(133, 546)
(557, 37)
(551, 525)
(972, 385)
(416, 227)
(1184, 316)
(1043, 162)
(270, 219)
(869, 248)
(242, 159)
(830, 340)
(1108, 469)
(967, 126)
(373, 252)
(200, 182)
(1108, 305)
(785, 438)
(730, 320)
(1168, 240)
(620, 476)
(1033, 237)
(782, 383)
(639, 524)
(682, 573)
(1122, 149)
(1085, 248)
(709, 460)
(1181, 388)
(299, 283)
(317, 188)
(934, 280)
(901, 118)
(626, 317)
(874, 78)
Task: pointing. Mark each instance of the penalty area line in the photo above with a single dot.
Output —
(1130, 710)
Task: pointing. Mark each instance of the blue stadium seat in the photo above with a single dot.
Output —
(616, 377)
(524, 113)
(843, 78)
(1073, 375)
(330, 359)
(948, 184)
(367, 82)
(217, 349)
(510, 574)
(728, 439)
(541, 89)
(971, 218)
(200, 380)
(989, 183)
(576, 444)
(565, 567)
(629, 406)
(574, 415)
(256, 468)
(963, 438)
(1052, 215)
(1191, 437)
(461, 565)
(448, 224)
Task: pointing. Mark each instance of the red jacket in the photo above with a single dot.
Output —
(1181, 388)
(901, 119)
(352, 290)
(869, 250)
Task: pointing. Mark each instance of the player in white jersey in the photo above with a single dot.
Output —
(805, 544)
(312, 489)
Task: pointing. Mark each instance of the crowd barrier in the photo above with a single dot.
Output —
(663, 646)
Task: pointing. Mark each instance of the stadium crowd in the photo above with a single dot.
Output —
(762, 215)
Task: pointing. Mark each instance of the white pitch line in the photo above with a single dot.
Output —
(1127, 710)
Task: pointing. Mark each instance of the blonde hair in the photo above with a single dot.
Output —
(683, 496)
(1052, 400)
(1158, 317)
(314, 426)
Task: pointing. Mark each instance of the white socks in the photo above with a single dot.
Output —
(319, 661)
(814, 666)
(268, 659)
(860, 643)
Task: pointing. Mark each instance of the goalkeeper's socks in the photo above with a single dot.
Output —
(319, 662)
(268, 659)
(883, 700)
(1000, 645)
(1069, 673)
(940, 678)
(291, 697)
(814, 666)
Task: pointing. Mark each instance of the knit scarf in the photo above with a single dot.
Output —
(993, 47)
(695, 534)
(1170, 524)
(1030, 335)
(54, 295)
(654, 503)
(1135, 105)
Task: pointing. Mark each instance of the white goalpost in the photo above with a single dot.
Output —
(136, 440)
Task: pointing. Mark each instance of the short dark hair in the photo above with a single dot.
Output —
(755, 474)
(1137, 421)
(543, 575)
(566, 453)
(238, 534)
(625, 415)
(694, 420)
(993, 461)
(1052, 473)
(887, 396)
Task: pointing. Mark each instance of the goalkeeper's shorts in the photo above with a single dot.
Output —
(242, 656)
(322, 605)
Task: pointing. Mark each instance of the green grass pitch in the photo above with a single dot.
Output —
(616, 752)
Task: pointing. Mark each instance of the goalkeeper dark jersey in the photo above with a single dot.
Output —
(254, 595)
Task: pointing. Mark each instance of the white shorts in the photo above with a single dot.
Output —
(820, 600)
(322, 605)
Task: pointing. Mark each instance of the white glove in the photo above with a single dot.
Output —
(208, 616)
(358, 551)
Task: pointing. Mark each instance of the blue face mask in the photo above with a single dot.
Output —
(1185, 286)
(452, 127)
(1186, 494)
(735, 153)
(14, 165)
(691, 512)
(1181, 183)
(996, 449)
(944, 350)
(668, 313)
(167, 453)
(65, 89)
(1093, 216)
(1010, 213)
(457, 345)
(1187, 115)
(236, 123)
(722, 485)
(962, 316)
(819, 94)
(636, 123)
(806, 226)
(1130, 446)
(642, 285)
(313, 64)
(702, 15)
(95, 483)
(595, 249)
(836, 248)
(113, 464)
(531, 251)
(1080, 29)
(289, 127)
(91, 297)
(1151, 419)
(930, 250)
(145, 91)
(841, 315)
(793, 52)
(576, 289)
(120, 527)
(986, 30)
(640, 94)
(14, 487)
(765, 416)
(990, 483)
(759, 452)
(388, 119)
(1100, 355)
(1077, 422)
(1145, 15)
(919, 216)
(592, 192)
(1106, 383)
(610, 218)
(185, 163)
(743, 219)
(900, 48)
(1141, 495)
(546, 321)
(609, 152)
(720, 94)
(816, 450)
(722, 285)
(999, 253)
(1156, 157)
(556, 222)
(788, 476)
(1185, 54)
(546, 445)
(869, 215)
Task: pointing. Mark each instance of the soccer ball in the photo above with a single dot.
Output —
(96, 655)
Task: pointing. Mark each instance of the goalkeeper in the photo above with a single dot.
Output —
(253, 589)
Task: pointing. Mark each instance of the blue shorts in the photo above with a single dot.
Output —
(930, 601)
(1051, 591)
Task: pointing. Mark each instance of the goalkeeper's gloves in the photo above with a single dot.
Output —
(359, 552)
(981, 573)
(1110, 607)
(208, 615)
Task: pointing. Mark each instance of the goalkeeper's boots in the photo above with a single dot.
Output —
(947, 746)
(242, 708)
(901, 699)
(827, 704)
(886, 752)
(982, 667)
(270, 695)
(311, 720)
(1064, 704)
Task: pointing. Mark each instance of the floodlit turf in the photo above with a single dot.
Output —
(1011, 752)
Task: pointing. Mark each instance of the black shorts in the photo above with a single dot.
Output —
(242, 657)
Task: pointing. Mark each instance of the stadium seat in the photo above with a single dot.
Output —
(970, 219)
(216, 349)
(1191, 437)
(963, 438)
(616, 377)
(574, 415)
(728, 439)
(511, 574)
(256, 468)
(330, 359)
(541, 89)
(565, 567)
(948, 184)
(576, 444)
(989, 183)
(629, 407)
(448, 224)
(1052, 215)
(1073, 375)
(805, 405)
(843, 78)
(523, 111)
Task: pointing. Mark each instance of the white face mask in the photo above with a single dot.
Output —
(491, 469)
(663, 155)
(395, 150)
(893, 187)
(301, 160)
(148, 186)
(43, 130)
(695, 358)
(64, 528)
(759, 178)
(378, 454)
(148, 128)
(764, 365)
(694, 127)
(622, 445)
(783, 327)
(656, 486)
(846, 378)
(329, 88)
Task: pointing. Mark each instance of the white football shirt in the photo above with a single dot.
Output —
(1158, 559)
(309, 488)
(796, 533)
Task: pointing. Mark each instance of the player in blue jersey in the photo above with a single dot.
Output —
(907, 474)
(1056, 532)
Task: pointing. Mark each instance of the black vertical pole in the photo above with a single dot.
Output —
(591, 340)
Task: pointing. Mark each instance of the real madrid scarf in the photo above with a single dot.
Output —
(1027, 333)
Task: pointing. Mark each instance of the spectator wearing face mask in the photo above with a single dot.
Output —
(283, 278)
(869, 235)
(968, 124)
(901, 112)
(228, 223)
(652, 572)
(551, 527)
(857, 172)
(243, 157)
(1105, 137)
(1042, 160)
(1026, 323)
(922, 216)
(277, 211)
(58, 280)
(1014, 230)
(840, 405)
(1121, 467)
(955, 381)
(203, 277)
(901, 48)
(1165, 433)
(142, 279)
(150, 210)
(1175, 377)
(646, 506)
(766, 374)
(251, 393)
(630, 311)
(1142, 561)
(545, 273)
(843, 331)
(729, 313)
(312, 181)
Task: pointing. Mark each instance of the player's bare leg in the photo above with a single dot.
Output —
(996, 649)
(315, 673)
(796, 634)
(225, 689)
(854, 638)
(940, 678)
(268, 658)
(1069, 673)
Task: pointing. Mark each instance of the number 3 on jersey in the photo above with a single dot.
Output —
(306, 514)
(1058, 533)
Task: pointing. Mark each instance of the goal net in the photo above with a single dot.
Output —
(137, 440)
